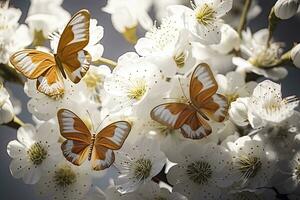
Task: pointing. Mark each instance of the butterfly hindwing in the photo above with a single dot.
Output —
(195, 127)
(74, 38)
(102, 157)
(76, 147)
(216, 107)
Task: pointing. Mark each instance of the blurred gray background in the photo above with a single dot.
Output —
(114, 46)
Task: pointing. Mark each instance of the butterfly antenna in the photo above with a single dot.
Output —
(182, 89)
(102, 122)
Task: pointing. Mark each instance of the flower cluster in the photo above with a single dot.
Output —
(177, 119)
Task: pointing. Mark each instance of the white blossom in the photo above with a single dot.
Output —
(285, 9)
(34, 150)
(7, 112)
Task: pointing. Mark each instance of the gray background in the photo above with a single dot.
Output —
(114, 46)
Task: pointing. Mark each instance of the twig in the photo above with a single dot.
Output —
(15, 123)
(105, 61)
(243, 19)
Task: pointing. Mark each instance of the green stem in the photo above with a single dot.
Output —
(273, 21)
(10, 74)
(15, 123)
(105, 61)
(243, 19)
(284, 59)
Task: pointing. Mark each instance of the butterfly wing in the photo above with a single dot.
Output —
(203, 88)
(39, 65)
(172, 115)
(74, 38)
(110, 138)
(195, 127)
(76, 147)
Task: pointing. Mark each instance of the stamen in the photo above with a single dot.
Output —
(64, 176)
(180, 60)
(138, 90)
(248, 165)
(37, 153)
(199, 172)
(205, 15)
(142, 168)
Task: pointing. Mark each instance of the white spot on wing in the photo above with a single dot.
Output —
(204, 77)
(164, 114)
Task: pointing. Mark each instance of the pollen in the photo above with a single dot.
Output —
(205, 15)
(64, 176)
(37, 154)
(142, 168)
(199, 172)
(248, 165)
(137, 90)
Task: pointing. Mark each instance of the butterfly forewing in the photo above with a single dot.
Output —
(70, 51)
(76, 147)
(172, 115)
(32, 63)
(202, 85)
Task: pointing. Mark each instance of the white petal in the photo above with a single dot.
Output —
(15, 149)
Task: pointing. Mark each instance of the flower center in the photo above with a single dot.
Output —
(39, 38)
(37, 153)
(272, 106)
(92, 80)
(64, 176)
(231, 97)
(249, 165)
(265, 57)
(205, 15)
(137, 90)
(199, 172)
(179, 60)
(142, 168)
(58, 96)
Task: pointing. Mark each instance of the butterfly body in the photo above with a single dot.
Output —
(70, 60)
(81, 145)
(204, 104)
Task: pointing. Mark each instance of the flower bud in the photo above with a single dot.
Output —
(238, 111)
(295, 55)
(285, 9)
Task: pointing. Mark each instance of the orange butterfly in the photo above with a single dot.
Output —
(70, 58)
(204, 104)
(81, 144)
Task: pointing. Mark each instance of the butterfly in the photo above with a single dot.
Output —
(81, 145)
(70, 58)
(204, 104)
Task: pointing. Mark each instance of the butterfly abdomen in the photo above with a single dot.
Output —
(91, 147)
(59, 65)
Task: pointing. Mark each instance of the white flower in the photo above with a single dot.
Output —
(44, 107)
(295, 55)
(138, 163)
(238, 111)
(285, 9)
(127, 14)
(94, 47)
(33, 151)
(204, 20)
(160, 7)
(13, 36)
(266, 105)
(201, 171)
(134, 80)
(95, 193)
(94, 81)
(168, 46)
(46, 19)
(63, 180)
(254, 165)
(259, 56)
(6, 108)
(233, 86)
